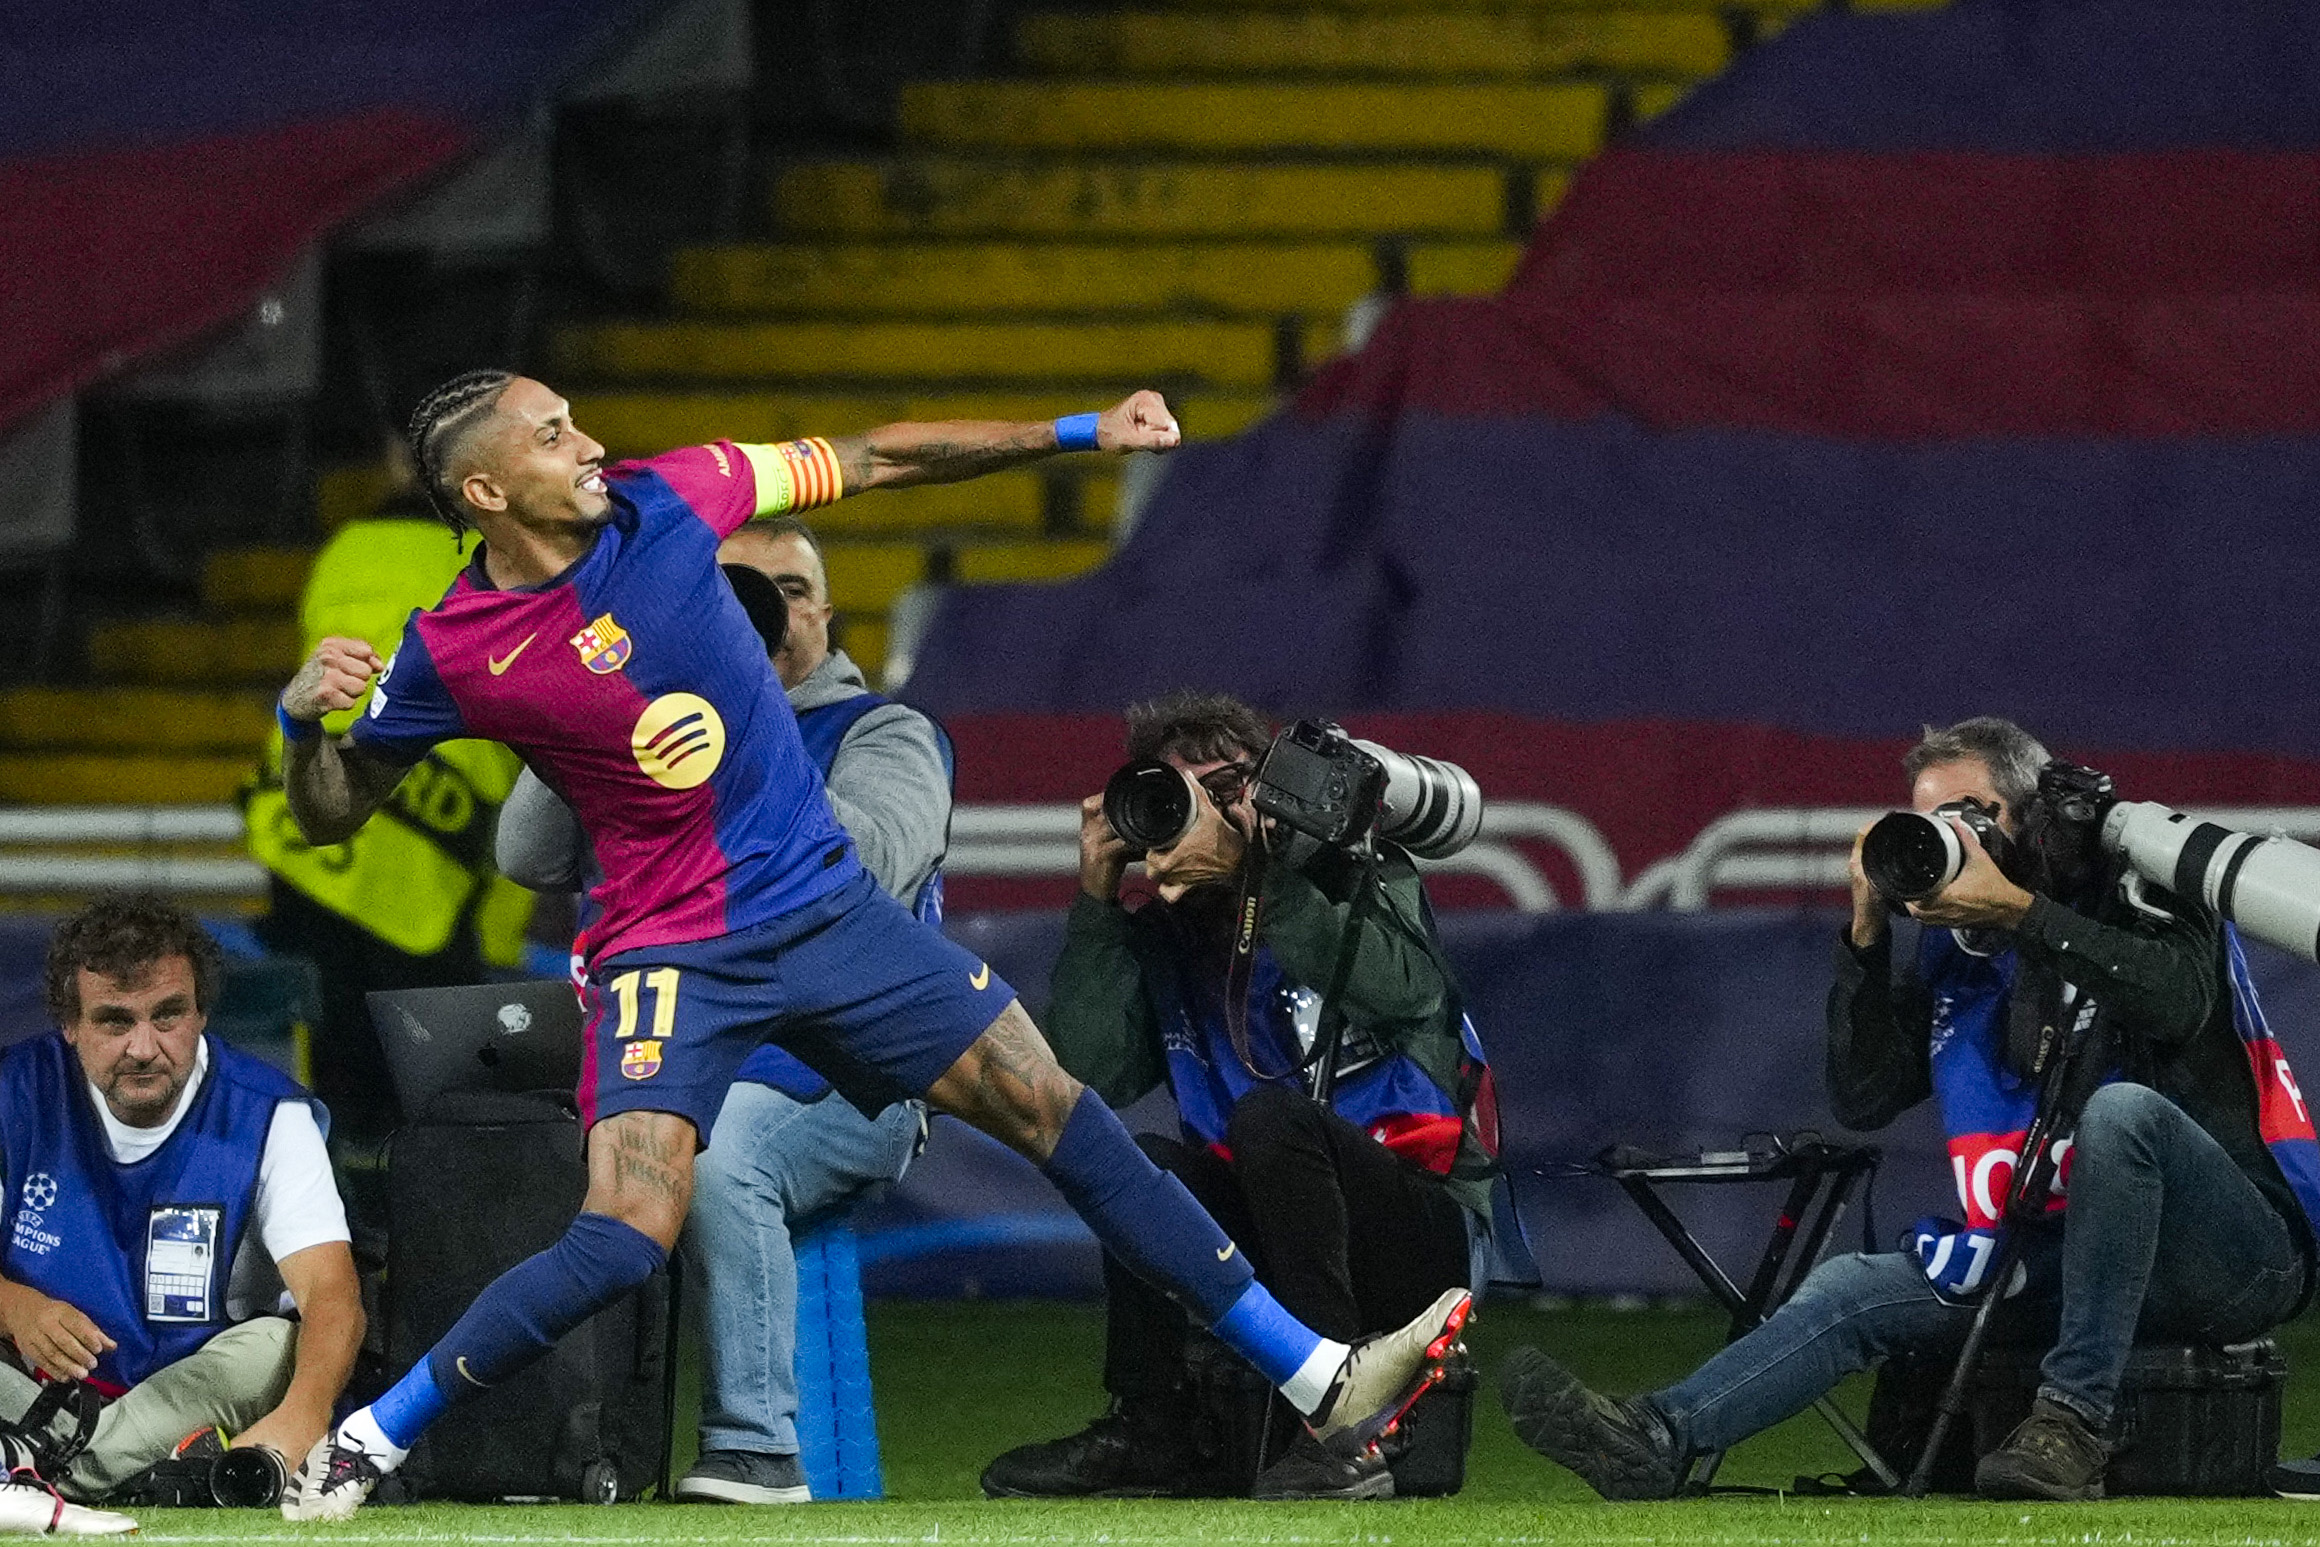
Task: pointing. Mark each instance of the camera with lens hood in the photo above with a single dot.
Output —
(2266, 884)
(204, 1473)
(1912, 855)
(1316, 780)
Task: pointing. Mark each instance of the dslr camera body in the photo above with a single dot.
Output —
(1315, 780)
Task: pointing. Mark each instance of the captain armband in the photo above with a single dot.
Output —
(795, 475)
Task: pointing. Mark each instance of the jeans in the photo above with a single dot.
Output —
(2164, 1236)
(1351, 1238)
(773, 1165)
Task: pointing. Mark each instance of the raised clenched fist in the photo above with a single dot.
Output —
(334, 677)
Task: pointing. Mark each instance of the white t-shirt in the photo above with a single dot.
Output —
(297, 1204)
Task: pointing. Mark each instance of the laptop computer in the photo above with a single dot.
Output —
(480, 1036)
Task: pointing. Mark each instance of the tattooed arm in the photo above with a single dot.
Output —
(897, 455)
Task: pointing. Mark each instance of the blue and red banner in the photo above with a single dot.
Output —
(1925, 365)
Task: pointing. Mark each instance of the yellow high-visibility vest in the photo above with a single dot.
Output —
(424, 860)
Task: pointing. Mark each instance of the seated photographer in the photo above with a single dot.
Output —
(1355, 1214)
(162, 1192)
(2179, 1222)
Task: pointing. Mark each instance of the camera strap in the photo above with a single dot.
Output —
(1240, 974)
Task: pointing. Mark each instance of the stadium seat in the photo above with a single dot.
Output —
(1561, 121)
(955, 196)
(1417, 44)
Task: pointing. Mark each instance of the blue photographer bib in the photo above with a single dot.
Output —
(142, 1249)
(1384, 1092)
(824, 731)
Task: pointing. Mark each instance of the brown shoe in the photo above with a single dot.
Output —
(2051, 1454)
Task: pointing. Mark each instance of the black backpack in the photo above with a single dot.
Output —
(476, 1183)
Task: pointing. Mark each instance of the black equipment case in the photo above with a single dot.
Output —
(477, 1182)
(1244, 1426)
(2193, 1422)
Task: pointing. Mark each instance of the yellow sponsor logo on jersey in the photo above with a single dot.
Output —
(679, 740)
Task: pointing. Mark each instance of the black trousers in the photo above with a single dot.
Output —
(1350, 1238)
(350, 1068)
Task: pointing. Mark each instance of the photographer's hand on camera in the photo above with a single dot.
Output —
(1213, 850)
(1869, 909)
(1980, 898)
(1103, 858)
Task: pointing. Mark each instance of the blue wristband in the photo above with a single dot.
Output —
(1076, 432)
(294, 729)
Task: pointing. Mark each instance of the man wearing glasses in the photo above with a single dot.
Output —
(1355, 1214)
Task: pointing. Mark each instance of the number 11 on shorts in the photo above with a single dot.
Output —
(662, 982)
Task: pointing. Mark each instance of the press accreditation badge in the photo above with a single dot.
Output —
(181, 1248)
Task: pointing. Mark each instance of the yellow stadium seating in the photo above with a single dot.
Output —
(240, 579)
(1232, 354)
(1558, 121)
(950, 278)
(1412, 45)
(641, 423)
(953, 196)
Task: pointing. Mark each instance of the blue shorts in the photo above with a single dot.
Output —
(878, 1003)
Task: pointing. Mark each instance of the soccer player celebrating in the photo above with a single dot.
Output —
(594, 634)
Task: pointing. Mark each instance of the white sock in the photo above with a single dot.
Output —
(1309, 1387)
(362, 1430)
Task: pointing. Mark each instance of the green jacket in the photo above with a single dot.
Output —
(1105, 1031)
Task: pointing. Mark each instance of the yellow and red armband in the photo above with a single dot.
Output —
(795, 475)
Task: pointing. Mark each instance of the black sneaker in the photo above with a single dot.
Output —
(1621, 1449)
(1122, 1455)
(2051, 1454)
(2295, 1479)
(744, 1477)
(1312, 1470)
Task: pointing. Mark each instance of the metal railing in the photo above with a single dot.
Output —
(196, 850)
(1809, 849)
(189, 850)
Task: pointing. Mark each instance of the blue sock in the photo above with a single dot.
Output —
(409, 1406)
(518, 1317)
(1145, 1218)
(1260, 1331)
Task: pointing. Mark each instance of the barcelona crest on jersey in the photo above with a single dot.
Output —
(641, 1060)
(604, 646)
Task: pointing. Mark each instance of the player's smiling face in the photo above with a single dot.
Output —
(537, 465)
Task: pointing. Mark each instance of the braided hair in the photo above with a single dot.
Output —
(442, 416)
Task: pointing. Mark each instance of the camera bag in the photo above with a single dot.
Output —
(476, 1183)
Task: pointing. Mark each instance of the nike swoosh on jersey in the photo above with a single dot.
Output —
(500, 666)
(460, 1363)
(1224, 1253)
(980, 978)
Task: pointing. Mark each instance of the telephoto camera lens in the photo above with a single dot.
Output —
(1908, 856)
(1431, 808)
(1150, 804)
(2266, 884)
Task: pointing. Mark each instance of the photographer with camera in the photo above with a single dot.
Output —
(2049, 990)
(1357, 1211)
(167, 1208)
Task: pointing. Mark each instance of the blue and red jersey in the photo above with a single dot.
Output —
(636, 687)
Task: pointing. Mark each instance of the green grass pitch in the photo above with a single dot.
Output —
(957, 1383)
